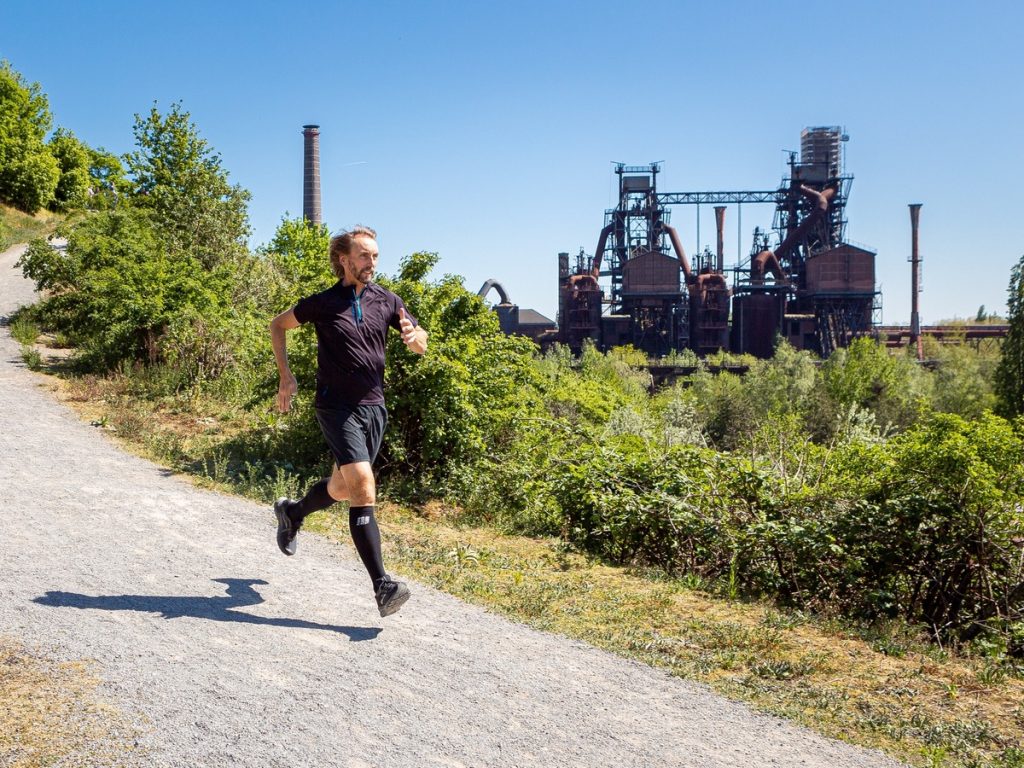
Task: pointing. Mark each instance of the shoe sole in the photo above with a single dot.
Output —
(395, 603)
(282, 524)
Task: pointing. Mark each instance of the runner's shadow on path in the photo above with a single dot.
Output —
(240, 594)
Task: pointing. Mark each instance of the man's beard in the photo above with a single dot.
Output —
(366, 276)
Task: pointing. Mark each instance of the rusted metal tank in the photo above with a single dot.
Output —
(579, 311)
(709, 313)
(756, 318)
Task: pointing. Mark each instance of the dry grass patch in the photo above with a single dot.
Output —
(52, 713)
(19, 227)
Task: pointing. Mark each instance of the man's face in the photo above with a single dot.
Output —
(361, 263)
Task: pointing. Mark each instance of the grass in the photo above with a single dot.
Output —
(19, 227)
(24, 329)
(52, 713)
(881, 686)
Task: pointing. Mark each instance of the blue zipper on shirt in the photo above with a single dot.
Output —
(357, 307)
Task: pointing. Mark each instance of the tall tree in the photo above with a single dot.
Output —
(28, 171)
(1009, 378)
(74, 159)
(176, 174)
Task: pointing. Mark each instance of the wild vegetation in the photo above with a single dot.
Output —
(864, 489)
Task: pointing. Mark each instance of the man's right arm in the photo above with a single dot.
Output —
(289, 386)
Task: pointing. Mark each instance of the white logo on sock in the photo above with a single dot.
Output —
(364, 520)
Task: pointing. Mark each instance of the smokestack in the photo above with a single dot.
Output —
(720, 223)
(915, 280)
(311, 174)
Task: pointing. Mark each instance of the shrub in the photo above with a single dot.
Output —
(459, 403)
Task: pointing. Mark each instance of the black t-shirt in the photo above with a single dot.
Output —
(351, 332)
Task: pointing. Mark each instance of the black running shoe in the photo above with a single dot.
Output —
(391, 595)
(286, 527)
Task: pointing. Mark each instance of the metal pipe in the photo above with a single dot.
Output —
(677, 246)
(915, 280)
(596, 269)
(720, 224)
(696, 247)
(311, 211)
(492, 283)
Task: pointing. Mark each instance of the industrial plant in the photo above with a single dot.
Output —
(813, 288)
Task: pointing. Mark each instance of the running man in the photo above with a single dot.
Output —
(351, 320)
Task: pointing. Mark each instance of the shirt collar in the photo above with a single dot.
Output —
(349, 291)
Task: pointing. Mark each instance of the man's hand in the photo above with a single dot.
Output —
(285, 392)
(409, 332)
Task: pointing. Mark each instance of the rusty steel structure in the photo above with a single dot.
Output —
(657, 302)
(311, 210)
(821, 292)
(969, 333)
(813, 288)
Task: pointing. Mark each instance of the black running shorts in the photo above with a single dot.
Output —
(354, 433)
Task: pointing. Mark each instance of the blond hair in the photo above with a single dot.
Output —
(342, 243)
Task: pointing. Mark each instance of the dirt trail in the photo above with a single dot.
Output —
(227, 653)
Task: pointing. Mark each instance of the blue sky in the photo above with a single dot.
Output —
(487, 132)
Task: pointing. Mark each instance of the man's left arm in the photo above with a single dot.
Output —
(413, 336)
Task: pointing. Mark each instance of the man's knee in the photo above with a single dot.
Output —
(336, 487)
(359, 483)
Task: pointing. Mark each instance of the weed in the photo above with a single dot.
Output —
(782, 669)
(890, 647)
(31, 357)
(462, 555)
(992, 674)
(215, 467)
(776, 619)
(61, 341)
(129, 423)
(692, 582)
(24, 330)
(936, 756)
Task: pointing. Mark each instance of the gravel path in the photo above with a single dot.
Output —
(230, 654)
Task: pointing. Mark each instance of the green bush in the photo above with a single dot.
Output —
(460, 403)
(116, 288)
(926, 526)
(685, 510)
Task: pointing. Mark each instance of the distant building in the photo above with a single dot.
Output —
(513, 320)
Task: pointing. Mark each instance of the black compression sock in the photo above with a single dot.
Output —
(316, 498)
(366, 537)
